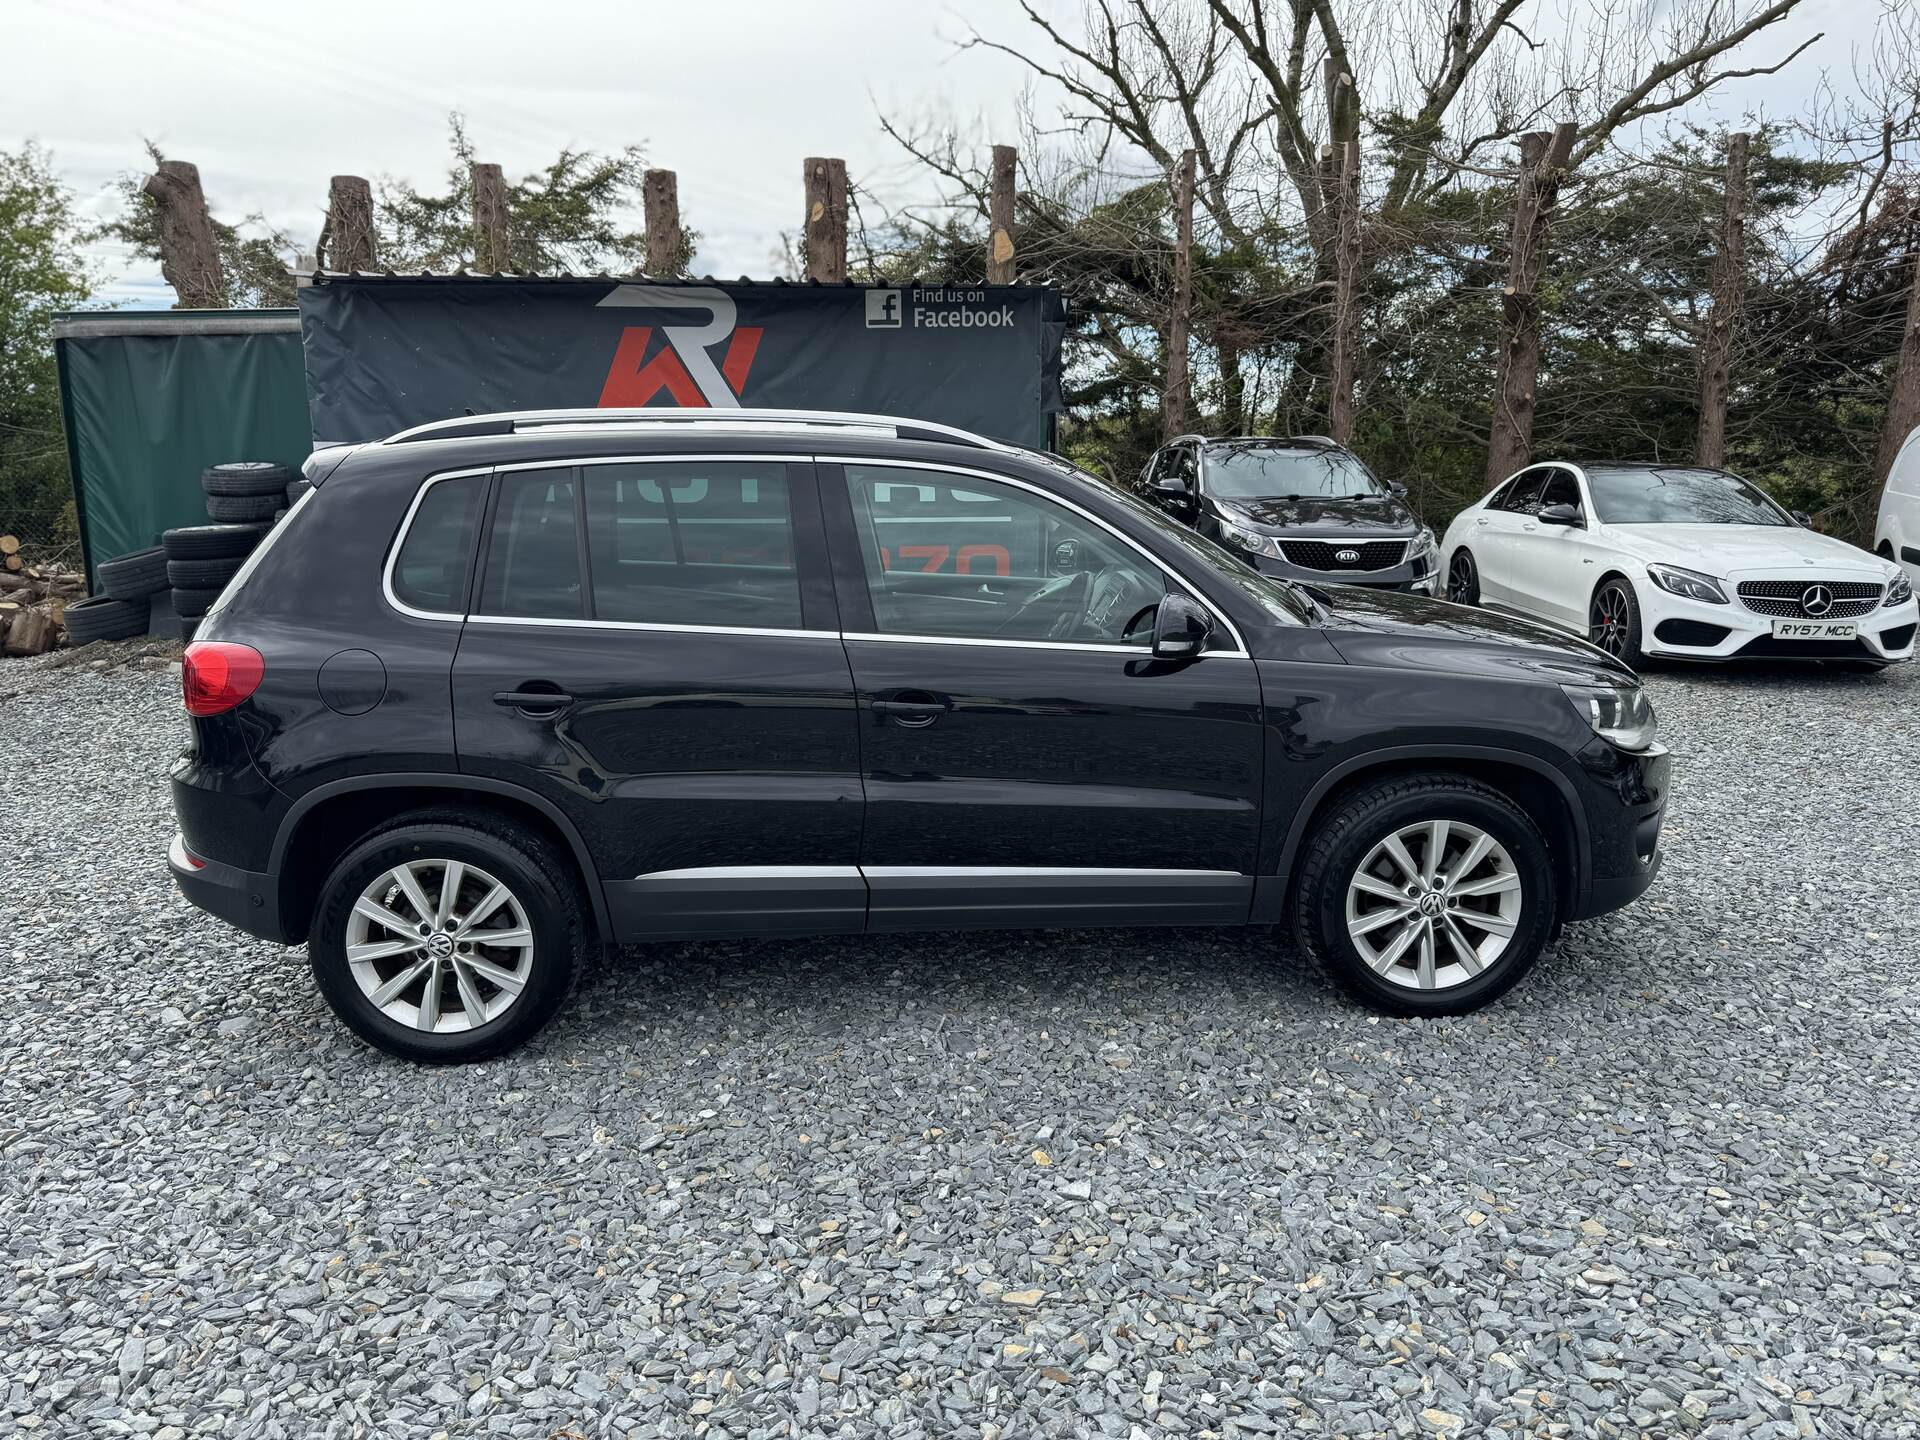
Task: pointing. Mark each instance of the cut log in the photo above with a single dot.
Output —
(31, 633)
(13, 562)
(9, 544)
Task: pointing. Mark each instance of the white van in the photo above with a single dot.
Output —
(1897, 534)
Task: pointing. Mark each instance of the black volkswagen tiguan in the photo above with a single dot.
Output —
(502, 690)
(1301, 507)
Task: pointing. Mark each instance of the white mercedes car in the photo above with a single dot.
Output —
(1675, 562)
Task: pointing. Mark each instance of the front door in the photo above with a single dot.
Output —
(1495, 529)
(1549, 567)
(1027, 760)
(653, 648)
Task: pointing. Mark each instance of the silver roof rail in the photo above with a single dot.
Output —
(523, 422)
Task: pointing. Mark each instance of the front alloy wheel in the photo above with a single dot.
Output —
(1463, 580)
(1425, 894)
(1433, 904)
(1613, 621)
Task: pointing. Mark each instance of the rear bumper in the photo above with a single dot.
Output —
(246, 899)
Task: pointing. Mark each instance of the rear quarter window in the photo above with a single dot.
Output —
(435, 559)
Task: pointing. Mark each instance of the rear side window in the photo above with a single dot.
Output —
(693, 543)
(533, 554)
(430, 572)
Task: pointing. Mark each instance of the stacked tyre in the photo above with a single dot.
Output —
(128, 583)
(245, 491)
(201, 559)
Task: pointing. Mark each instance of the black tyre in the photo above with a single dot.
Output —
(1463, 578)
(135, 576)
(187, 630)
(243, 507)
(1409, 930)
(203, 574)
(211, 542)
(104, 618)
(449, 977)
(245, 478)
(297, 487)
(1613, 621)
(192, 604)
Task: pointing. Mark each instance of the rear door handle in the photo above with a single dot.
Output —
(533, 700)
(912, 708)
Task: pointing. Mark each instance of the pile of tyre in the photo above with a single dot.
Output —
(194, 562)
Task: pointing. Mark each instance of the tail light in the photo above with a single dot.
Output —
(216, 675)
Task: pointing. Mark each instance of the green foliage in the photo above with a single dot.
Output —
(256, 268)
(41, 273)
(570, 216)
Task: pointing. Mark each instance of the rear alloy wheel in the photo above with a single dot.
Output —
(1426, 894)
(1613, 622)
(1463, 579)
(448, 939)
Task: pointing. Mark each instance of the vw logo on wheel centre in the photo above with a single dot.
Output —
(1816, 600)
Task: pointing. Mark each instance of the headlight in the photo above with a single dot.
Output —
(1423, 543)
(1900, 591)
(1252, 541)
(1689, 583)
(1617, 714)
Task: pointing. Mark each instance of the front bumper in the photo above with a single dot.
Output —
(246, 899)
(1676, 628)
(1418, 576)
(1623, 796)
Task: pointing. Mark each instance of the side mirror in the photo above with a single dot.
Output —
(1397, 488)
(1173, 487)
(1801, 517)
(1561, 515)
(1180, 628)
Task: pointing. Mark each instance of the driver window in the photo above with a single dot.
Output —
(1524, 497)
(1562, 489)
(956, 556)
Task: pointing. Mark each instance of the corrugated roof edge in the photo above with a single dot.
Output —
(327, 277)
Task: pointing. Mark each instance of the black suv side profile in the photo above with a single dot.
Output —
(1302, 507)
(504, 689)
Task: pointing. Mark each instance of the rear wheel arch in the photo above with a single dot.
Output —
(331, 819)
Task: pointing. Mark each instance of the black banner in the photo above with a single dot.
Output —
(385, 353)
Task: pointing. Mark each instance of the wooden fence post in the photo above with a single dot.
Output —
(660, 194)
(1729, 273)
(826, 228)
(1173, 401)
(1346, 308)
(489, 219)
(347, 239)
(1543, 163)
(1000, 257)
(189, 251)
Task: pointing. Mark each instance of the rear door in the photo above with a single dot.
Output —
(653, 646)
(1027, 760)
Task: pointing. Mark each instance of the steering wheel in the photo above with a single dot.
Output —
(1057, 609)
(1121, 599)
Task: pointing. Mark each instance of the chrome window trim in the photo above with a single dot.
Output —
(400, 541)
(1239, 650)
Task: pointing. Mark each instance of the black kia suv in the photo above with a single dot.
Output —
(1301, 507)
(502, 690)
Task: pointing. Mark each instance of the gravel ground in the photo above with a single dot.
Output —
(1130, 1184)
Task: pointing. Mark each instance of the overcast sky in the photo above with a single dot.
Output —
(269, 99)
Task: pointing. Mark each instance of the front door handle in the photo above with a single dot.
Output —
(539, 702)
(914, 709)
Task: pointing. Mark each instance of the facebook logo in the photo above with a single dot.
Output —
(883, 309)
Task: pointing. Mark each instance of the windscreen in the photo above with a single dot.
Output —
(1667, 495)
(1287, 472)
